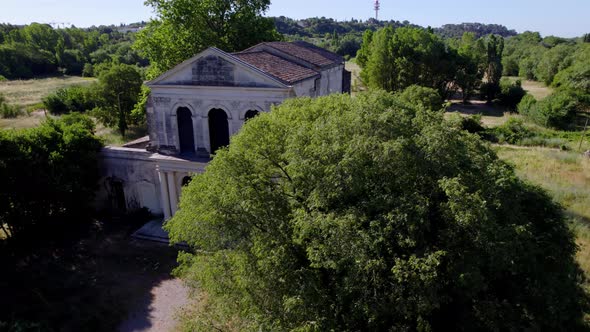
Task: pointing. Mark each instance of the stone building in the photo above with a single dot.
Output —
(195, 107)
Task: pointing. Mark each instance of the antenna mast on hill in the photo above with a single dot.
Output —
(377, 6)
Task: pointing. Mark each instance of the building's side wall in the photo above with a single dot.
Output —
(235, 101)
(137, 174)
(331, 81)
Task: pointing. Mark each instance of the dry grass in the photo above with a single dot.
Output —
(356, 84)
(26, 121)
(26, 93)
(537, 89)
(566, 175)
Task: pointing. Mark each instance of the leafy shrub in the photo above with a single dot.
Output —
(556, 111)
(512, 131)
(488, 89)
(357, 214)
(7, 110)
(511, 93)
(526, 105)
(49, 176)
(88, 70)
(420, 96)
(2, 78)
(71, 99)
(471, 124)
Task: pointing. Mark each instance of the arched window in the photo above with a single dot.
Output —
(186, 180)
(185, 130)
(250, 114)
(218, 129)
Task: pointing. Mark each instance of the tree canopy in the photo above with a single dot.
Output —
(117, 93)
(183, 28)
(362, 214)
(396, 59)
(49, 175)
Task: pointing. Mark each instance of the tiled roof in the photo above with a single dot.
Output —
(304, 51)
(276, 66)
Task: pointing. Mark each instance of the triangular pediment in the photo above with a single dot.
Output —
(214, 67)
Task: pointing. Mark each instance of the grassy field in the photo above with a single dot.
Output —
(537, 89)
(566, 175)
(356, 84)
(27, 93)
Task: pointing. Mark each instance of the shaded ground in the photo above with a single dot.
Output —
(93, 284)
(158, 310)
(492, 115)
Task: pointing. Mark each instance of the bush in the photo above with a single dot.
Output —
(488, 89)
(88, 70)
(420, 96)
(7, 110)
(71, 99)
(49, 176)
(511, 93)
(512, 131)
(526, 105)
(357, 214)
(556, 111)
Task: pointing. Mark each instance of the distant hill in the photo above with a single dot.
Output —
(480, 30)
(322, 26)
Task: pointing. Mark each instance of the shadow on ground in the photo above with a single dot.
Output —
(476, 107)
(92, 284)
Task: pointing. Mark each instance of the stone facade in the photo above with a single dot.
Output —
(195, 107)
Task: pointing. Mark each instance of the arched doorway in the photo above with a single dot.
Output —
(186, 180)
(218, 129)
(250, 114)
(186, 136)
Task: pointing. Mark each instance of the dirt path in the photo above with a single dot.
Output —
(157, 312)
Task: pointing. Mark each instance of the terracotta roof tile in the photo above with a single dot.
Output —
(276, 66)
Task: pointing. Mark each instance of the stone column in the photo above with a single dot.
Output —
(172, 193)
(164, 194)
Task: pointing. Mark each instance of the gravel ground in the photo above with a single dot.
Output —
(158, 311)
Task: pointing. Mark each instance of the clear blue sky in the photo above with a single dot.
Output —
(567, 18)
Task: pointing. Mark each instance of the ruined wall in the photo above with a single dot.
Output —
(137, 174)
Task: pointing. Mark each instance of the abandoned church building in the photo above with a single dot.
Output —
(195, 107)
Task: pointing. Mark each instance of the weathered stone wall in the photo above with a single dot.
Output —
(165, 102)
(137, 173)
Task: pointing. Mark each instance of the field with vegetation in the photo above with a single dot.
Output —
(566, 175)
(29, 93)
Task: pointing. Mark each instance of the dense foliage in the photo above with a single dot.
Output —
(48, 177)
(183, 28)
(8, 110)
(361, 214)
(478, 29)
(38, 49)
(117, 93)
(402, 57)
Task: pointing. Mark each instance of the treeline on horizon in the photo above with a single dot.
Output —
(39, 50)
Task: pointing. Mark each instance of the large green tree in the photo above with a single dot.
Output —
(471, 59)
(361, 214)
(402, 57)
(49, 175)
(117, 93)
(183, 28)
